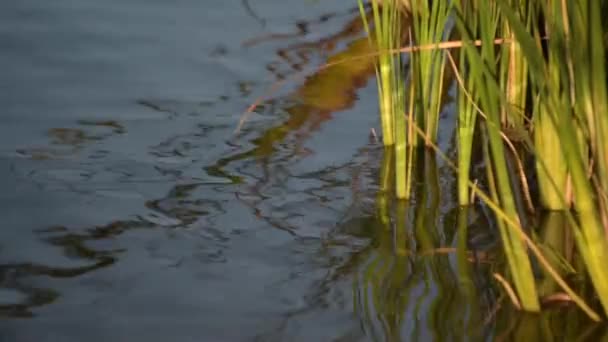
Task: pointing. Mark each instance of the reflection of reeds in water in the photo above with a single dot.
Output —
(551, 325)
(382, 281)
(410, 282)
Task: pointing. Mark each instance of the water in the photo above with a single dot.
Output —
(131, 211)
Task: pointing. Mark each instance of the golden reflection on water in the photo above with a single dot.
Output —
(324, 92)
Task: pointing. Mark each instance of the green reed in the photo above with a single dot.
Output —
(551, 165)
(513, 70)
(489, 101)
(577, 117)
(528, 74)
(386, 37)
(467, 114)
(429, 26)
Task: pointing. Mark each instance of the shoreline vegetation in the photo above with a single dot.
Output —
(530, 88)
(526, 81)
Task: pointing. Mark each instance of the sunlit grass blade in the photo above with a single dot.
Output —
(551, 166)
(385, 35)
(429, 25)
(567, 16)
(514, 69)
(490, 99)
(467, 114)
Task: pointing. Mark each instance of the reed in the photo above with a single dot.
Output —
(542, 88)
(386, 37)
(513, 70)
(576, 118)
(467, 113)
(489, 101)
(429, 26)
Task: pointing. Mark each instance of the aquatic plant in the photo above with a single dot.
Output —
(387, 36)
(427, 67)
(531, 83)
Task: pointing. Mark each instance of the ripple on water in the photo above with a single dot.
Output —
(159, 216)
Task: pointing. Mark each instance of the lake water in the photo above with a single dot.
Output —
(133, 212)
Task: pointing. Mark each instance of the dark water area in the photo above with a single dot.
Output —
(132, 212)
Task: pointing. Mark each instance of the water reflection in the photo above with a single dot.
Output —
(416, 282)
(550, 325)
(68, 141)
(419, 282)
(194, 200)
(73, 245)
(18, 296)
(243, 232)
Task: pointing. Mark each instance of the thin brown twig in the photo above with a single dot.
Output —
(558, 297)
(509, 290)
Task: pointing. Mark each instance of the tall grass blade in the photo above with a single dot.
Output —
(490, 99)
(567, 15)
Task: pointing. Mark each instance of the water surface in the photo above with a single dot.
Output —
(133, 213)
